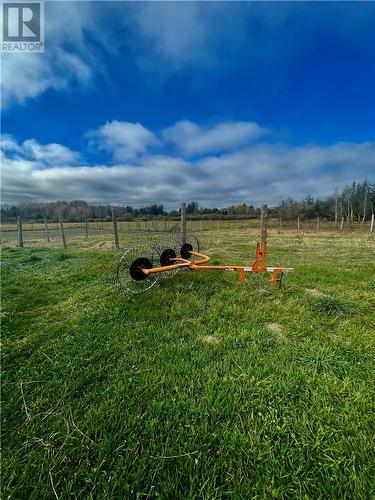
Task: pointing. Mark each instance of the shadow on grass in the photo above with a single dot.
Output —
(332, 306)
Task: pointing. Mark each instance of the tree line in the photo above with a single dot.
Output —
(355, 202)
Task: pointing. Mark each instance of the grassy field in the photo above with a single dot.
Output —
(202, 388)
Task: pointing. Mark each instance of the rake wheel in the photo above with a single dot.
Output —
(191, 237)
(185, 250)
(154, 252)
(167, 256)
(164, 242)
(128, 272)
(137, 266)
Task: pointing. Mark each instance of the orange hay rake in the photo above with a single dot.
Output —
(140, 269)
(169, 261)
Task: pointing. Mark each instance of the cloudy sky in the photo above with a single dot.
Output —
(222, 102)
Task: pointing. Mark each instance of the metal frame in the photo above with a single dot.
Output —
(258, 266)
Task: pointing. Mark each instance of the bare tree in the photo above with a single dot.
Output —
(364, 206)
(336, 204)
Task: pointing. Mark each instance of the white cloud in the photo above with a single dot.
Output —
(26, 76)
(123, 140)
(9, 144)
(192, 139)
(50, 154)
(126, 141)
(160, 38)
(261, 173)
(151, 32)
(44, 155)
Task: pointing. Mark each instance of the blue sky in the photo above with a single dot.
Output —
(222, 102)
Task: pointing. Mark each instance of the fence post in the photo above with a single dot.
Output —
(61, 224)
(263, 223)
(47, 230)
(281, 223)
(372, 223)
(183, 223)
(19, 232)
(317, 223)
(115, 229)
(342, 223)
(298, 224)
(86, 229)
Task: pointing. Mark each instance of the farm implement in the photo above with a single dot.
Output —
(142, 267)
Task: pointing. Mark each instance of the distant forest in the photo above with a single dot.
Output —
(355, 202)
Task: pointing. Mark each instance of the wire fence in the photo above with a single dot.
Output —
(42, 233)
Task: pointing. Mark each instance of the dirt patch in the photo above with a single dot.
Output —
(213, 250)
(210, 339)
(278, 331)
(314, 293)
(274, 327)
(104, 245)
(340, 340)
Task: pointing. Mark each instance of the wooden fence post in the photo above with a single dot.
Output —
(47, 230)
(372, 223)
(61, 224)
(86, 229)
(19, 232)
(317, 223)
(115, 229)
(263, 223)
(183, 223)
(298, 224)
(342, 224)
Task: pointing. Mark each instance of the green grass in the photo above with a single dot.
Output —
(106, 398)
